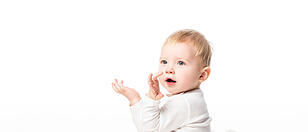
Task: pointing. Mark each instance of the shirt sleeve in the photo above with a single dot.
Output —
(146, 115)
(136, 114)
(149, 117)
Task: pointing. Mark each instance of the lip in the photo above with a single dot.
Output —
(170, 83)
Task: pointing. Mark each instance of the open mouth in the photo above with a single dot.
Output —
(170, 81)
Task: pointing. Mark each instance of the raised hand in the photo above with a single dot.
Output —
(154, 91)
(131, 94)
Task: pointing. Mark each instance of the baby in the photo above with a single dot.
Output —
(184, 65)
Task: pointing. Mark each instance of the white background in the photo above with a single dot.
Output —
(58, 59)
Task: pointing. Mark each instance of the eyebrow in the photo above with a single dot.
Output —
(160, 58)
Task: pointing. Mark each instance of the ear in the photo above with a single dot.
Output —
(205, 72)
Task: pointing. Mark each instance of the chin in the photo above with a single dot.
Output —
(170, 90)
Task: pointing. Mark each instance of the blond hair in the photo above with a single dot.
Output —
(200, 44)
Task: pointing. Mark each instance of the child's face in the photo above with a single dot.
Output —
(181, 68)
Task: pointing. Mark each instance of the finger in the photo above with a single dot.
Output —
(117, 85)
(114, 88)
(160, 95)
(121, 89)
(115, 82)
(121, 83)
(157, 75)
(150, 79)
(169, 95)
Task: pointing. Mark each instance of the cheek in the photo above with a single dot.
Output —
(189, 76)
(160, 80)
(160, 68)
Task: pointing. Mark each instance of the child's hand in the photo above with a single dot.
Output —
(154, 92)
(131, 94)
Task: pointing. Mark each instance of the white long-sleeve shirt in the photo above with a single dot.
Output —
(185, 112)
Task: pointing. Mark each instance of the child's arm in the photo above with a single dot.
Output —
(154, 92)
(131, 94)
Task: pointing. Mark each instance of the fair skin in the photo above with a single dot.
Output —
(179, 71)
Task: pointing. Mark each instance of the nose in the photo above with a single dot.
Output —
(169, 70)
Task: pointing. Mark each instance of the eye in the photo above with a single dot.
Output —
(181, 63)
(163, 62)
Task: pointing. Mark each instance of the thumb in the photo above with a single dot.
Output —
(160, 95)
(169, 95)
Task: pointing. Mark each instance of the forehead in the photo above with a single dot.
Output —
(178, 50)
